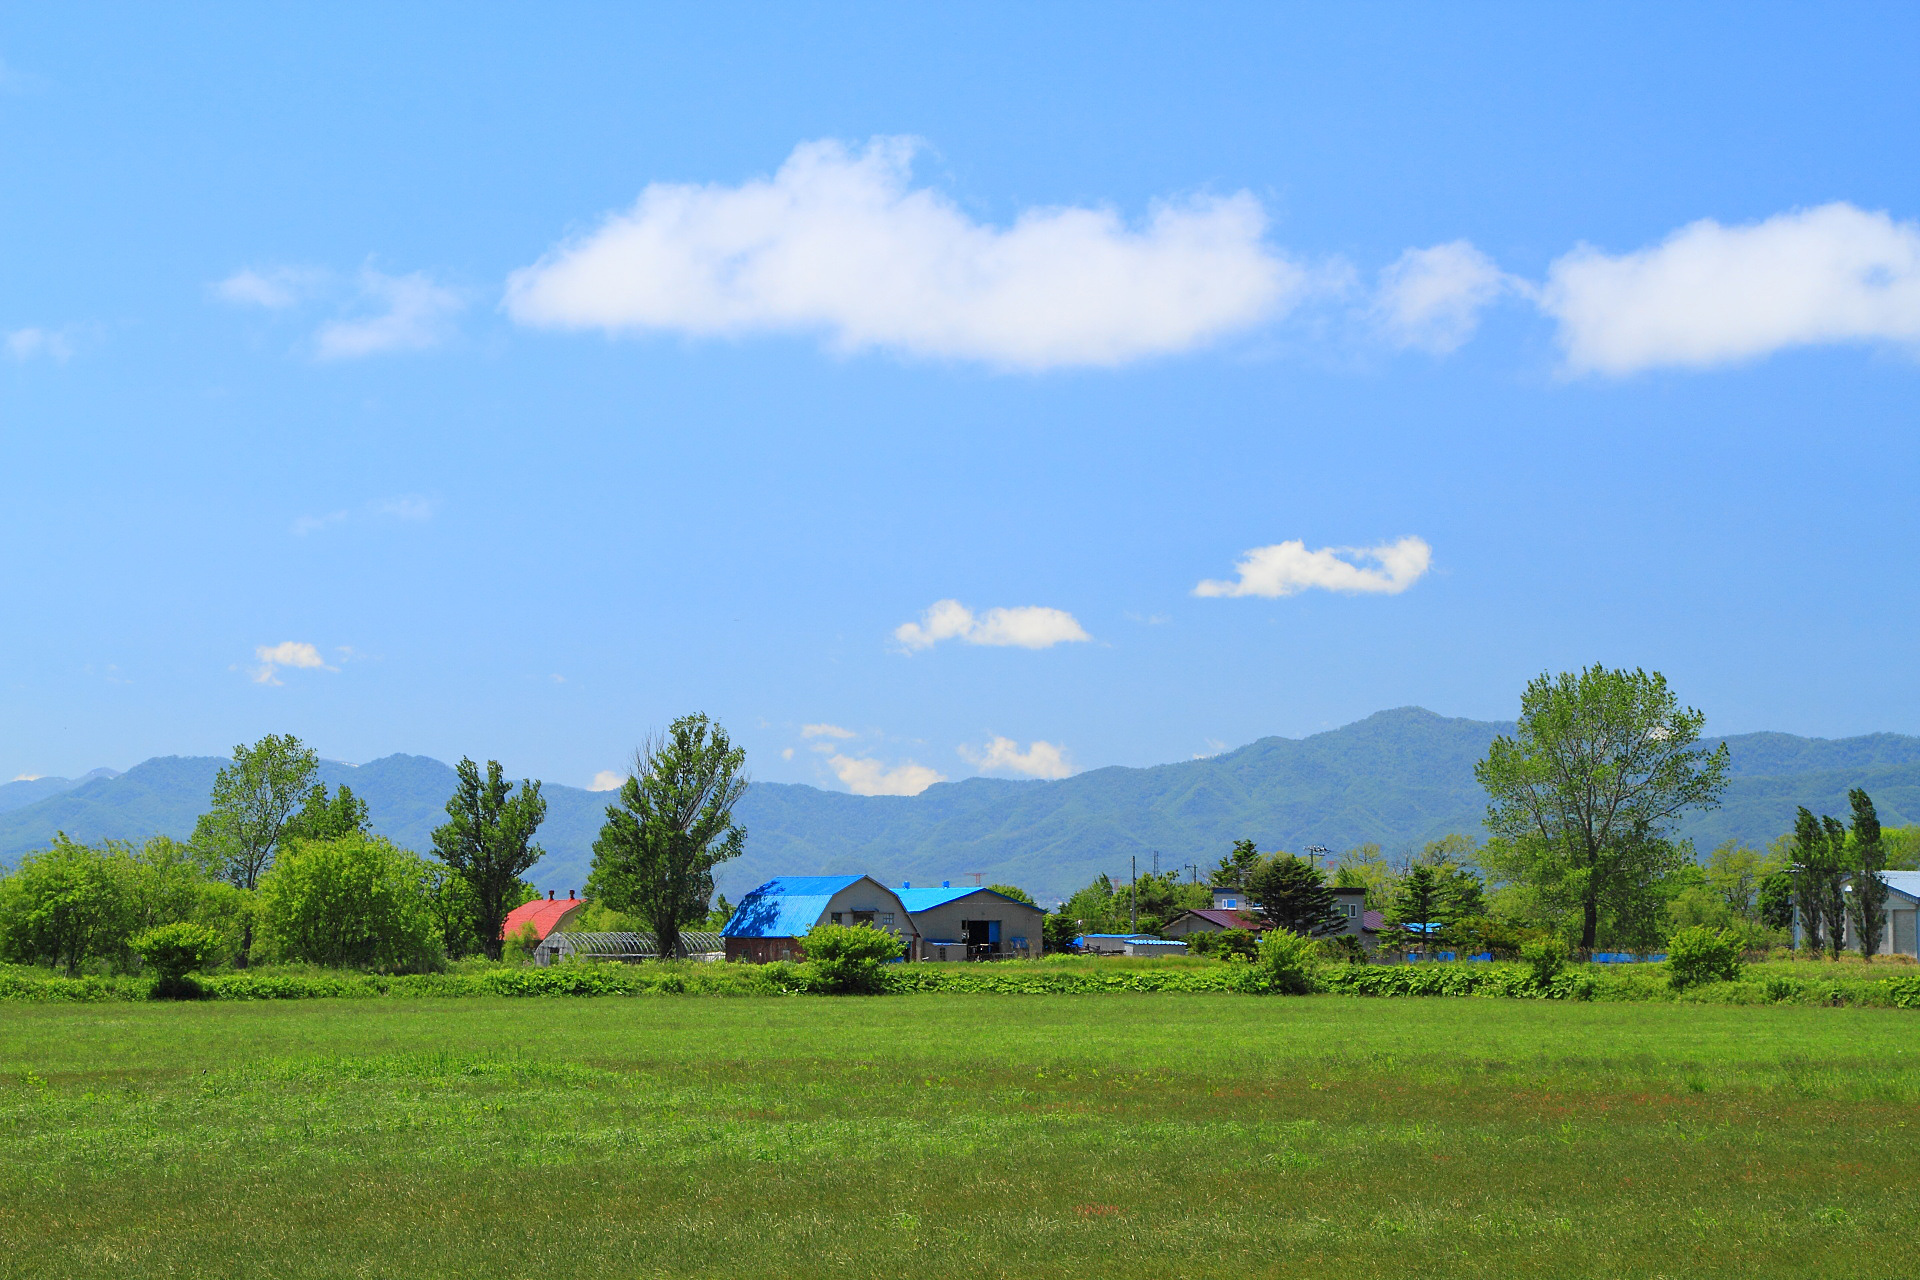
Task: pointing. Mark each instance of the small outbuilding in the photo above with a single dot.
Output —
(973, 923)
(770, 921)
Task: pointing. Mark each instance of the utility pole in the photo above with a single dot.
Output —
(1315, 852)
(1133, 895)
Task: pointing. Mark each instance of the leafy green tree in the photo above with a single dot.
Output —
(355, 902)
(1234, 869)
(253, 800)
(1869, 890)
(718, 914)
(487, 840)
(321, 818)
(847, 959)
(1014, 892)
(1700, 955)
(1293, 895)
(450, 904)
(1601, 763)
(674, 824)
(1812, 870)
(1288, 964)
(1366, 867)
(1225, 943)
(65, 905)
(1775, 903)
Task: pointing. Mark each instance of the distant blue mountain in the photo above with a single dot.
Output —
(25, 791)
(1397, 778)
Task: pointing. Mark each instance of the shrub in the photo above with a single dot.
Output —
(1288, 964)
(1228, 944)
(1546, 957)
(173, 951)
(1347, 948)
(518, 947)
(846, 959)
(359, 901)
(1780, 987)
(1697, 955)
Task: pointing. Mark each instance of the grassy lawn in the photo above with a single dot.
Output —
(964, 1135)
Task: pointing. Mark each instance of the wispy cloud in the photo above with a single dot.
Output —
(39, 344)
(411, 508)
(294, 654)
(1024, 627)
(1711, 294)
(1288, 568)
(826, 731)
(1431, 299)
(410, 313)
(839, 242)
(376, 312)
(865, 777)
(1003, 755)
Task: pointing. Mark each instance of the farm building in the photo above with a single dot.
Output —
(1109, 944)
(972, 923)
(769, 922)
(1211, 920)
(544, 915)
(629, 948)
(1900, 937)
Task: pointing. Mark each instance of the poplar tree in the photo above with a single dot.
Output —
(488, 842)
(1869, 890)
(656, 853)
(1809, 878)
(1833, 885)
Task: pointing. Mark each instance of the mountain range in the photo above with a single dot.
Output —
(1397, 778)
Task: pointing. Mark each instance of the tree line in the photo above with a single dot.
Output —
(281, 869)
(1583, 799)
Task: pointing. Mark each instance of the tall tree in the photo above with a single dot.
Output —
(1833, 884)
(1293, 895)
(321, 818)
(1234, 869)
(1869, 890)
(1810, 878)
(656, 853)
(1423, 902)
(488, 841)
(1600, 764)
(253, 800)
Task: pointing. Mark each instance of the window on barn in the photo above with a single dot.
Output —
(863, 917)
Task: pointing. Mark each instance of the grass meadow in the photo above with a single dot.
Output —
(972, 1135)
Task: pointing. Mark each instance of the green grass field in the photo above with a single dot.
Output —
(965, 1135)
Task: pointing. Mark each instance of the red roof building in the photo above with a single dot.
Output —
(546, 915)
(1211, 920)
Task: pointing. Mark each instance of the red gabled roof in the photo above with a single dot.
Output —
(544, 914)
(1373, 921)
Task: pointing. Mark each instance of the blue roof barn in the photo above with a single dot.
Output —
(769, 922)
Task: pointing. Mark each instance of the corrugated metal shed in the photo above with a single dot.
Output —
(786, 906)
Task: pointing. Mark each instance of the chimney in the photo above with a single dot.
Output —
(549, 895)
(569, 895)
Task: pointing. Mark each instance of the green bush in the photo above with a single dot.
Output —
(1226, 944)
(1287, 965)
(1345, 948)
(1546, 957)
(173, 951)
(847, 959)
(355, 902)
(1697, 955)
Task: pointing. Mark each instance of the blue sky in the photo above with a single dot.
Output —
(504, 381)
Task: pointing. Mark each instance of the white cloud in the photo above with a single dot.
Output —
(1432, 298)
(838, 242)
(1025, 627)
(288, 653)
(31, 344)
(1710, 294)
(1288, 568)
(413, 315)
(786, 753)
(1039, 760)
(607, 780)
(826, 731)
(26, 777)
(313, 524)
(275, 289)
(409, 507)
(871, 778)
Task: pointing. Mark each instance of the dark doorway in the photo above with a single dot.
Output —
(981, 936)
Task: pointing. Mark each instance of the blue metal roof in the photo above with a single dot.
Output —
(786, 906)
(918, 900)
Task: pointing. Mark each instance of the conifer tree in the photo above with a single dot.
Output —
(1869, 890)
